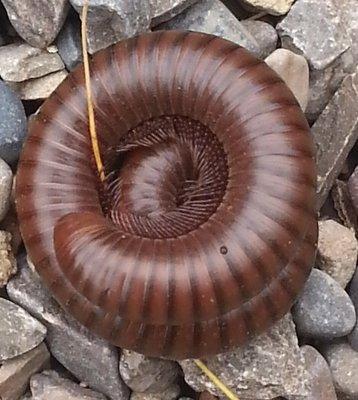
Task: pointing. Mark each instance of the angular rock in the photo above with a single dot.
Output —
(349, 15)
(164, 10)
(270, 365)
(81, 352)
(38, 88)
(321, 387)
(37, 21)
(19, 331)
(299, 32)
(10, 224)
(293, 69)
(211, 16)
(145, 374)
(335, 133)
(5, 188)
(323, 309)
(264, 34)
(13, 124)
(7, 260)
(353, 188)
(15, 373)
(353, 293)
(110, 20)
(337, 251)
(170, 393)
(274, 7)
(343, 362)
(50, 386)
(20, 61)
(324, 83)
(69, 43)
(344, 205)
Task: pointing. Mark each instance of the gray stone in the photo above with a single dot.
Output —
(7, 260)
(293, 69)
(314, 28)
(274, 7)
(13, 124)
(146, 374)
(110, 20)
(50, 386)
(15, 373)
(38, 88)
(321, 387)
(69, 43)
(164, 10)
(324, 83)
(264, 34)
(270, 365)
(89, 358)
(20, 61)
(343, 204)
(323, 309)
(37, 21)
(343, 362)
(5, 188)
(211, 16)
(337, 251)
(349, 15)
(170, 393)
(19, 331)
(353, 293)
(353, 188)
(335, 133)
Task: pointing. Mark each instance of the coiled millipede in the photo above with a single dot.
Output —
(205, 230)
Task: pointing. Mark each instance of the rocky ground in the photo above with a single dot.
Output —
(313, 352)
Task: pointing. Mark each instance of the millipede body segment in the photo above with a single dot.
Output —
(204, 231)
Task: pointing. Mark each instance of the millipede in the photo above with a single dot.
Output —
(204, 231)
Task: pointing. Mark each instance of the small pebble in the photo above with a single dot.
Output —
(38, 88)
(269, 366)
(13, 124)
(110, 21)
(15, 373)
(293, 69)
(321, 384)
(165, 10)
(321, 40)
(170, 393)
(84, 354)
(37, 22)
(20, 62)
(69, 43)
(274, 7)
(343, 362)
(50, 386)
(337, 251)
(8, 265)
(146, 374)
(5, 188)
(211, 16)
(19, 331)
(323, 309)
(264, 34)
(353, 188)
(353, 293)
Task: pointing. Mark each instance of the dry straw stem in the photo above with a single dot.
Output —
(216, 381)
(97, 155)
(91, 121)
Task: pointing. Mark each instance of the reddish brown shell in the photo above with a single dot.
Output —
(209, 227)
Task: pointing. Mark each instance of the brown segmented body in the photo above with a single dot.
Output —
(206, 230)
